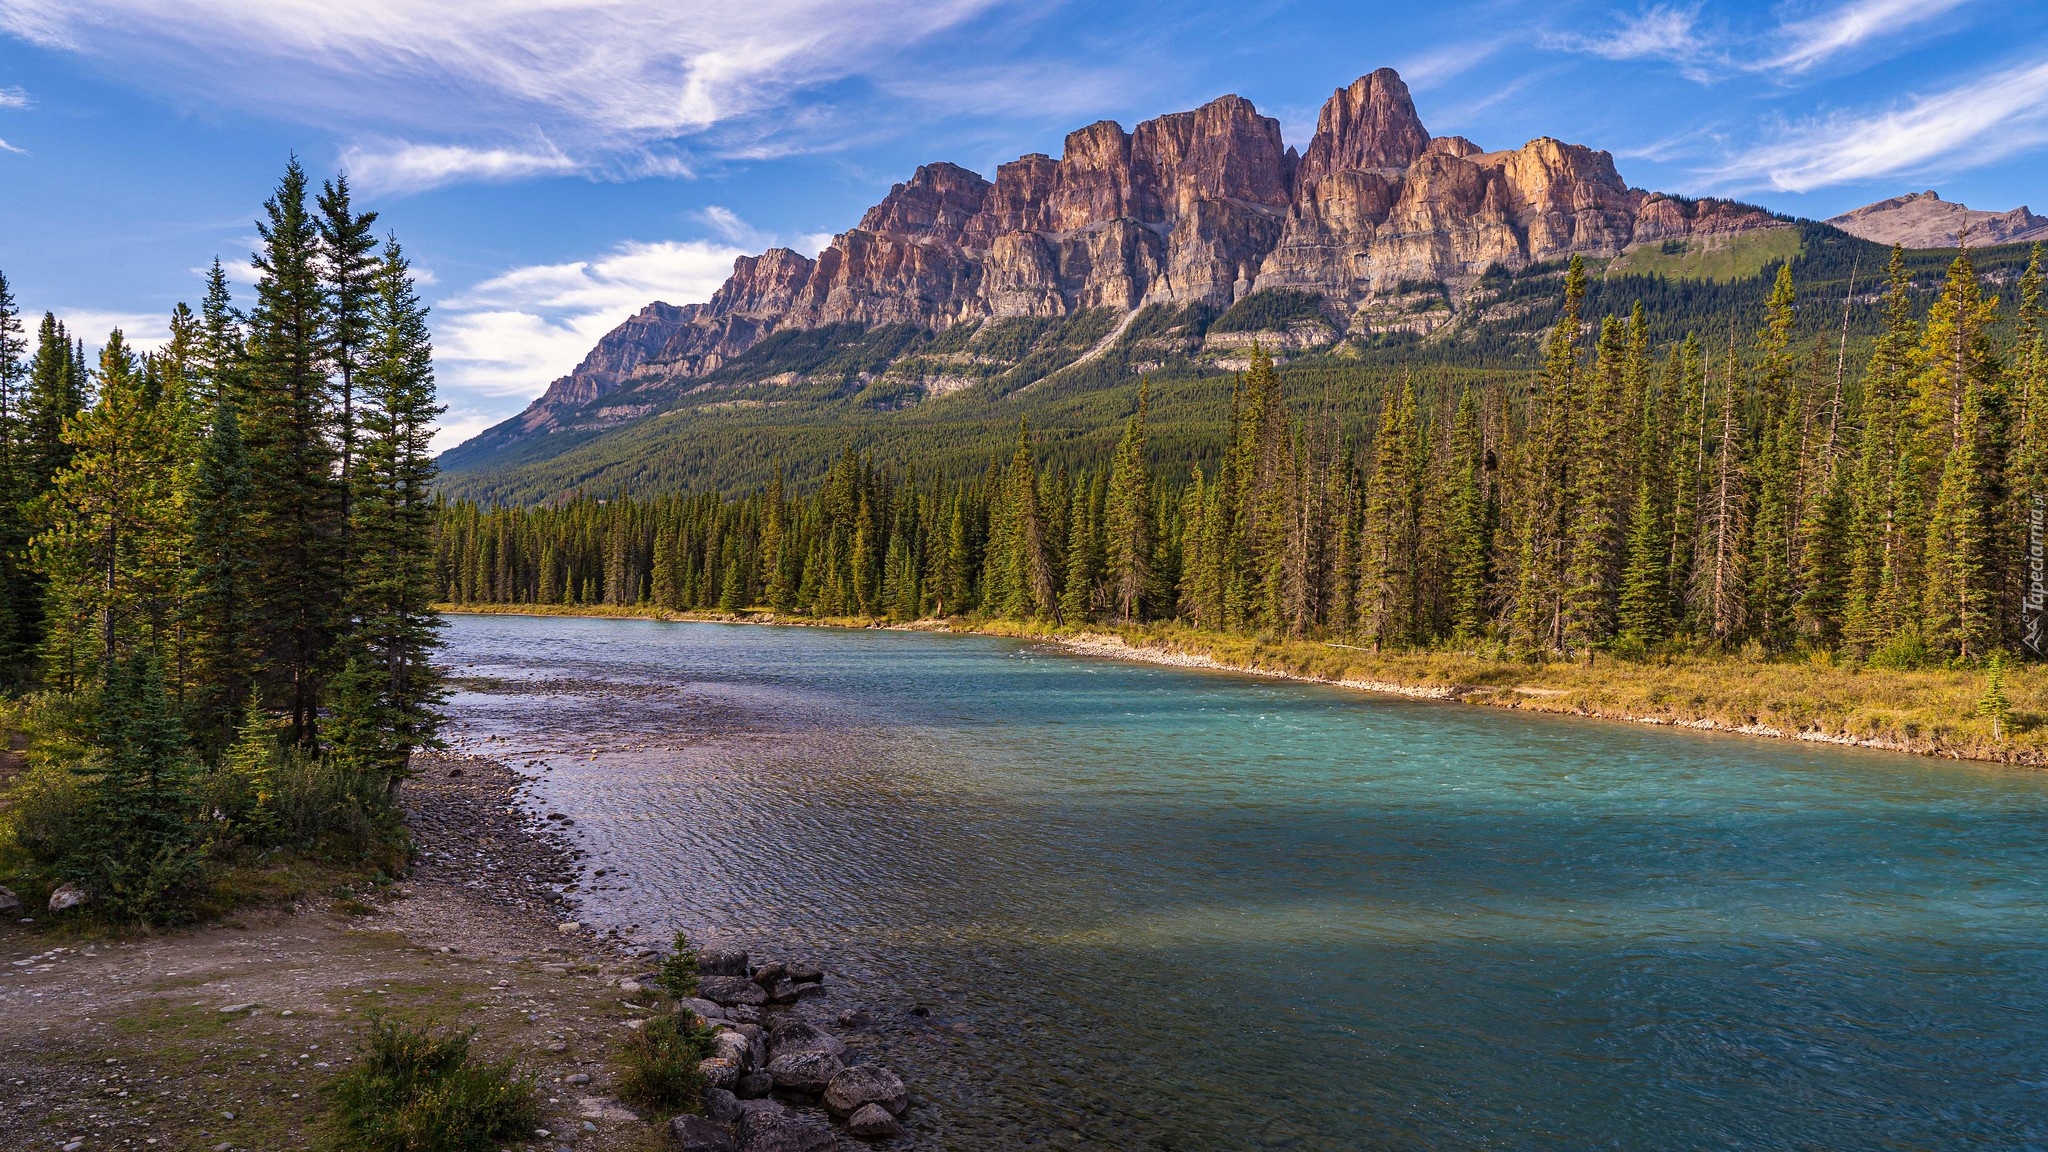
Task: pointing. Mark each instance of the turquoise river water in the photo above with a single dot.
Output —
(1104, 905)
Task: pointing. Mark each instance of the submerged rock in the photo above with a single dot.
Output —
(873, 1122)
(853, 1089)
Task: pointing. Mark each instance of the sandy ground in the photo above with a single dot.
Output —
(221, 1037)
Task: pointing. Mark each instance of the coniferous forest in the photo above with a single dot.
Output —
(1737, 491)
(218, 572)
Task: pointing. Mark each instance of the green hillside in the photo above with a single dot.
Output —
(948, 403)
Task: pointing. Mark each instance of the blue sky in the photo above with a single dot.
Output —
(551, 165)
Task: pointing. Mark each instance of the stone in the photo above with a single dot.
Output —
(67, 897)
(10, 904)
(804, 972)
(731, 990)
(873, 1122)
(632, 987)
(769, 972)
(806, 991)
(754, 1085)
(696, 1134)
(783, 991)
(718, 1072)
(701, 1008)
(855, 1087)
(722, 1106)
(779, 1130)
(721, 962)
(568, 927)
(743, 1013)
(734, 1047)
(855, 1018)
(794, 1037)
(805, 1072)
(579, 1078)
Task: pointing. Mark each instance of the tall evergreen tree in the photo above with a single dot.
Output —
(1127, 529)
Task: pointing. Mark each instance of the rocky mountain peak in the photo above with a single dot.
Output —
(1925, 220)
(1371, 124)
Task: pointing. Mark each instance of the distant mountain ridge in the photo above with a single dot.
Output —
(1382, 226)
(1925, 220)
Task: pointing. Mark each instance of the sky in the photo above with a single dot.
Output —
(550, 166)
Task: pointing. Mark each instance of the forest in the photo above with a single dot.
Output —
(216, 617)
(1717, 491)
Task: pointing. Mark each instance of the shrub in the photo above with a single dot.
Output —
(1905, 652)
(43, 812)
(679, 971)
(660, 1063)
(419, 1089)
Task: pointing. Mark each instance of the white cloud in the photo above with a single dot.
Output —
(140, 331)
(1818, 38)
(13, 97)
(6, 147)
(1448, 62)
(1659, 32)
(500, 342)
(412, 167)
(1975, 123)
(463, 87)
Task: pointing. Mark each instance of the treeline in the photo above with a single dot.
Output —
(217, 610)
(1731, 490)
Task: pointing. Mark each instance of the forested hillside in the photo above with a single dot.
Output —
(798, 399)
(1725, 489)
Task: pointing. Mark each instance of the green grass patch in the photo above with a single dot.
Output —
(416, 1088)
(1714, 258)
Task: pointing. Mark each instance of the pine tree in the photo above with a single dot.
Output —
(133, 847)
(1470, 544)
(1963, 406)
(1995, 705)
(1594, 542)
(1884, 499)
(289, 430)
(1127, 530)
(1387, 575)
(394, 627)
(14, 530)
(1549, 478)
(1084, 563)
(217, 603)
(1645, 602)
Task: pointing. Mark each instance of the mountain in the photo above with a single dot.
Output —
(1925, 220)
(1376, 229)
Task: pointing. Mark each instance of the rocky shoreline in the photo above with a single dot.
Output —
(780, 1078)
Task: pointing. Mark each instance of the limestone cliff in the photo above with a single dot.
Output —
(1199, 207)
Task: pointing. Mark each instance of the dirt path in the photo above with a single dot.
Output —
(221, 1037)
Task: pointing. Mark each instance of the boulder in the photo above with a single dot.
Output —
(805, 972)
(731, 990)
(769, 972)
(807, 991)
(779, 1130)
(805, 1072)
(719, 1073)
(721, 962)
(722, 1106)
(10, 904)
(783, 991)
(743, 1013)
(734, 1047)
(697, 1134)
(67, 897)
(863, 1084)
(754, 1086)
(702, 1009)
(794, 1037)
(873, 1122)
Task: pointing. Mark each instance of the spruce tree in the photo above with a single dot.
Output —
(290, 431)
(350, 271)
(1127, 529)
(1470, 543)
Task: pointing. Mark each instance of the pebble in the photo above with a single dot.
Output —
(231, 1009)
(568, 927)
(578, 1078)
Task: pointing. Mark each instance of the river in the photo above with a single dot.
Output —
(1106, 905)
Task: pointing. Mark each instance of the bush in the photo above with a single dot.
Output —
(660, 1063)
(418, 1089)
(1906, 652)
(43, 813)
(679, 971)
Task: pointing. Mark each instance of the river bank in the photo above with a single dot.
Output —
(218, 1037)
(1928, 712)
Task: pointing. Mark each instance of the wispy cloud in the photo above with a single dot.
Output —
(464, 86)
(6, 147)
(1975, 123)
(1659, 32)
(506, 337)
(413, 167)
(1819, 38)
(13, 97)
(1448, 62)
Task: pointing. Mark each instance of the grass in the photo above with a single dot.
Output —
(1815, 696)
(416, 1088)
(1714, 258)
(658, 1063)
